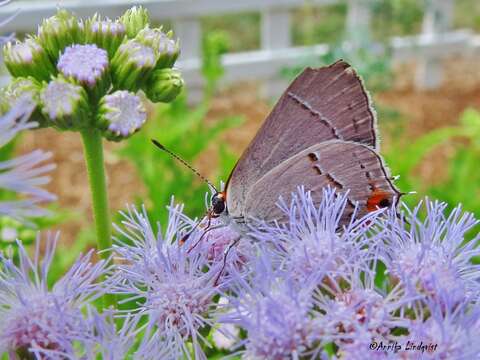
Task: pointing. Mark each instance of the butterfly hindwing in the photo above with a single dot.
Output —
(336, 163)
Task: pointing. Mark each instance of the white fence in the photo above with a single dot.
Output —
(435, 42)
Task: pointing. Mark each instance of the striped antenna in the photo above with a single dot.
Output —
(175, 156)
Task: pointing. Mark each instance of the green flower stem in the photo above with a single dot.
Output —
(93, 149)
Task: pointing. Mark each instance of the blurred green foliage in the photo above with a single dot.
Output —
(467, 14)
(185, 130)
(313, 25)
(463, 178)
(243, 29)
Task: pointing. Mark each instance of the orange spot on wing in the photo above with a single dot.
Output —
(378, 199)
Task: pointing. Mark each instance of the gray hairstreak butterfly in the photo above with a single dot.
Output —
(322, 132)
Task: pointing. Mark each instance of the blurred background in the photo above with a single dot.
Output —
(419, 60)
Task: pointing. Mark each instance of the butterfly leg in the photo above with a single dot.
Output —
(224, 263)
(207, 229)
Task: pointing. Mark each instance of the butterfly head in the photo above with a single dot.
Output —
(219, 204)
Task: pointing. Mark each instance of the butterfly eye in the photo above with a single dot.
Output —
(218, 204)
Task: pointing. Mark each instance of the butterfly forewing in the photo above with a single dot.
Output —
(342, 165)
(322, 104)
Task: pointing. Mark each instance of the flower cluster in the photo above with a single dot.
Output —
(45, 322)
(88, 74)
(309, 288)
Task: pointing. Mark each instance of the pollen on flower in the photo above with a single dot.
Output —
(85, 63)
(125, 112)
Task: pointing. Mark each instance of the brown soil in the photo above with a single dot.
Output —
(422, 110)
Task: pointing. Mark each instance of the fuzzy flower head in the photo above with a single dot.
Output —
(28, 58)
(121, 114)
(59, 31)
(25, 174)
(86, 64)
(132, 64)
(106, 34)
(38, 320)
(314, 241)
(176, 285)
(65, 104)
(353, 312)
(431, 256)
(111, 344)
(450, 327)
(273, 310)
(77, 63)
(165, 47)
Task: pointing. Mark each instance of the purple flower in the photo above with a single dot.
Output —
(352, 312)
(121, 114)
(448, 329)
(112, 344)
(65, 104)
(313, 241)
(25, 174)
(174, 286)
(85, 63)
(36, 319)
(108, 26)
(431, 256)
(273, 310)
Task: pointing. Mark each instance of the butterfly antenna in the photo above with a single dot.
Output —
(175, 156)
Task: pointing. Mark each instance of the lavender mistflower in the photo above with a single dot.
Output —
(431, 256)
(353, 313)
(112, 344)
(447, 329)
(131, 65)
(313, 239)
(107, 34)
(86, 64)
(121, 114)
(273, 310)
(166, 49)
(42, 321)
(25, 174)
(175, 285)
(59, 31)
(65, 104)
(28, 58)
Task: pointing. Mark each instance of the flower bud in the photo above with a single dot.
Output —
(131, 65)
(120, 115)
(59, 31)
(135, 19)
(164, 85)
(26, 88)
(107, 34)
(65, 105)
(88, 66)
(28, 58)
(166, 49)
